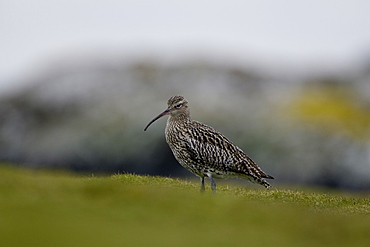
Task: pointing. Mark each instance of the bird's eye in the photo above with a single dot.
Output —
(178, 105)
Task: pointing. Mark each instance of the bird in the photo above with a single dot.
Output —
(203, 150)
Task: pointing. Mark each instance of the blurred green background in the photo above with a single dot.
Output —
(91, 119)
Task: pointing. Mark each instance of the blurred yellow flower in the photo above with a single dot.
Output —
(333, 109)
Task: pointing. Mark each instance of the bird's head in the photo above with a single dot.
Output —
(177, 107)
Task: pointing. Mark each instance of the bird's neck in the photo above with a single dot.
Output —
(179, 119)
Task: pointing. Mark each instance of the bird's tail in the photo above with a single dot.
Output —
(268, 176)
(266, 184)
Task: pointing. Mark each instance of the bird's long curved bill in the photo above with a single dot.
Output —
(166, 112)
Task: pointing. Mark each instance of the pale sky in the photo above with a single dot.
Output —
(33, 33)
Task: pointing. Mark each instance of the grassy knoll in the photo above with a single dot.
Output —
(58, 209)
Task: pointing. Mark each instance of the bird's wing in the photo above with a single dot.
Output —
(207, 145)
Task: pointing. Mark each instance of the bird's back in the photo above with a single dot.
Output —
(202, 150)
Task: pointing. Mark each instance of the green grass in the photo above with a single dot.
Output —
(39, 208)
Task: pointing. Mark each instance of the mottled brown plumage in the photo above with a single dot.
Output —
(203, 150)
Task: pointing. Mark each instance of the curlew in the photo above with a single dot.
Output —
(203, 150)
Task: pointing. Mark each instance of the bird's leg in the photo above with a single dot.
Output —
(213, 183)
(202, 188)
